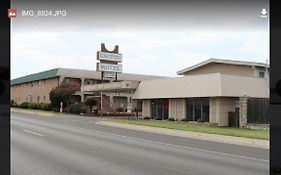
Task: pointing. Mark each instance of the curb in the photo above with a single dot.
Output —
(257, 143)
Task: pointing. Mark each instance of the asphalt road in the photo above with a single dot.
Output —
(73, 145)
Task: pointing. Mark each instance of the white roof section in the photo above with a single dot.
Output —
(90, 74)
(204, 85)
(222, 61)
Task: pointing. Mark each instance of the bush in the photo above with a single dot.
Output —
(62, 93)
(91, 102)
(24, 105)
(146, 118)
(74, 108)
(171, 119)
(46, 106)
(33, 106)
(14, 104)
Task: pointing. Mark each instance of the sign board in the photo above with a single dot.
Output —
(109, 56)
(109, 67)
(109, 74)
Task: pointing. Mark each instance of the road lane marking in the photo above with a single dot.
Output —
(33, 132)
(178, 146)
(161, 143)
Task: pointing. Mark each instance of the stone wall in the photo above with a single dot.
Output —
(242, 112)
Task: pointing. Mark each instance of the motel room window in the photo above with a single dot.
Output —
(261, 74)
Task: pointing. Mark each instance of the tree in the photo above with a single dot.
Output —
(62, 93)
(91, 102)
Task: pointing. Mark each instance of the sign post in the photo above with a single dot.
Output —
(108, 65)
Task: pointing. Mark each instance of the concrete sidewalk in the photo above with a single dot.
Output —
(194, 135)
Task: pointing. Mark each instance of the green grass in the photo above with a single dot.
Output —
(238, 132)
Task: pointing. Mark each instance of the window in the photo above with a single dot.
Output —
(44, 98)
(38, 99)
(198, 109)
(261, 74)
(159, 108)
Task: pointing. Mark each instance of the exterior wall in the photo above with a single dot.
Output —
(146, 108)
(177, 108)
(219, 108)
(226, 69)
(214, 110)
(41, 89)
(227, 105)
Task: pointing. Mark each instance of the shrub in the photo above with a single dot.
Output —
(14, 104)
(171, 119)
(74, 108)
(46, 106)
(24, 105)
(33, 106)
(91, 102)
(146, 118)
(62, 93)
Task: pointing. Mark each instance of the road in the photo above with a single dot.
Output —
(73, 145)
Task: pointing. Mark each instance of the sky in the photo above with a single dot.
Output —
(154, 39)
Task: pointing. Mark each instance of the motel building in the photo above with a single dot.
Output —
(221, 92)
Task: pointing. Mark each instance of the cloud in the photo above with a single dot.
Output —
(160, 52)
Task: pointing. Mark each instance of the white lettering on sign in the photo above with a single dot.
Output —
(110, 67)
(109, 74)
(110, 56)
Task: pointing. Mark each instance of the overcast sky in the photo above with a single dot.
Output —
(153, 39)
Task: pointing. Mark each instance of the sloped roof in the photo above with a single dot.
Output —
(222, 61)
(36, 76)
(79, 73)
(204, 85)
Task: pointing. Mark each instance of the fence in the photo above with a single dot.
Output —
(258, 110)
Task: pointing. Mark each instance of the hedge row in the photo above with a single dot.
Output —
(76, 108)
(72, 108)
(27, 105)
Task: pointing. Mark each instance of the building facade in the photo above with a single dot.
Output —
(211, 91)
